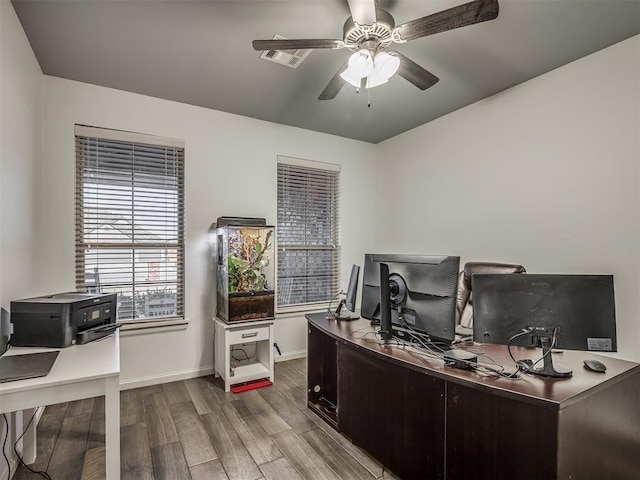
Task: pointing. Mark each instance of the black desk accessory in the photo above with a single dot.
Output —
(28, 365)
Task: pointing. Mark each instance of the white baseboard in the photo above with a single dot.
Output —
(201, 372)
(165, 378)
(289, 356)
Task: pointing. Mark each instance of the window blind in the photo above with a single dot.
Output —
(129, 208)
(307, 234)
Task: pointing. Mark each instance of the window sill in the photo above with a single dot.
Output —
(143, 327)
(300, 311)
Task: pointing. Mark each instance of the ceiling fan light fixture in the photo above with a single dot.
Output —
(385, 65)
(375, 79)
(351, 78)
(361, 63)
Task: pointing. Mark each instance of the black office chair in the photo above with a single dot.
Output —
(464, 301)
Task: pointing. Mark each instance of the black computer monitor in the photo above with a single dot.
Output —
(422, 290)
(350, 300)
(573, 312)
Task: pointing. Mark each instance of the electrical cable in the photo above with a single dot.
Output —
(422, 345)
(416, 332)
(510, 341)
(418, 336)
(247, 356)
(4, 443)
(368, 332)
(554, 342)
(432, 350)
(43, 474)
(544, 354)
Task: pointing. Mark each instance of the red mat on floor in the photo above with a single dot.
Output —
(243, 387)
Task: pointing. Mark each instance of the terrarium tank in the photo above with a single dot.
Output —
(245, 269)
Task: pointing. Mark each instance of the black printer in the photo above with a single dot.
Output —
(62, 319)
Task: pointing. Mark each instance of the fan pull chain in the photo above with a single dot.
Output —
(368, 98)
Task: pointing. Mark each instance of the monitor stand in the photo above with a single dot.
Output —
(548, 369)
(339, 316)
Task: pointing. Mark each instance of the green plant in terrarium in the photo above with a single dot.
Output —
(245, 260)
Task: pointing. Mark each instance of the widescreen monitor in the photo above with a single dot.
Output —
(422, 290)
(580, 308)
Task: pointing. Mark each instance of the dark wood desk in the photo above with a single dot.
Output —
(423, 419)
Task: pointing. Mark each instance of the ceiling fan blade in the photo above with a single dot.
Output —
(363, 12)
(296, 44)
(414, 73)
(334, 86)
(456, 17)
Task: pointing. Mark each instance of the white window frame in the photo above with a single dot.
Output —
(86, 134)
(334, 246)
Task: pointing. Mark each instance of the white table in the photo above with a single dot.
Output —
(80, 371)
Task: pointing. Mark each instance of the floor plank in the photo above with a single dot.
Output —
(304, 458)
(80, 407)
(96, 428)
(288, 381)
(280, 469)
(335, 456)
(135, 453)
(264, 413)
(259, 444)
(233, 455)
(169, 462)
(94, 466)
(212, 470)
(159, 422)
(193, 436)
(68, 454)
(176, 392)
(131, 407)
(287, 410)
(149, 389)
(57, 408)
(202, 394)
(372, 465)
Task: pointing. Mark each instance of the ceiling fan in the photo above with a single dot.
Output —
(369, 31)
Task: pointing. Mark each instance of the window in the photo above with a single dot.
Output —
(130, 220)
(307, 233)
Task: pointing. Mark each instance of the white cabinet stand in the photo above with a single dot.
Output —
(229, 334)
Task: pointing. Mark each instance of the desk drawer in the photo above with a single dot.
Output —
(246, 335)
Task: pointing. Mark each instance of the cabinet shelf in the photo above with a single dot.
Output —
(253, 371)
(227, 335)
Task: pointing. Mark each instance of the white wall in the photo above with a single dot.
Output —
(20, 134)
(230, 169)
(546, 174)
(20, 130)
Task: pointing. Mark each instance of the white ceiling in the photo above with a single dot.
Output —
(199, 52)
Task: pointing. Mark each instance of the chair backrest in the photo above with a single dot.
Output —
(464, 302)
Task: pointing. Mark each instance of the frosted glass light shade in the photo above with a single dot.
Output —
(375, 79)
(349, 77)
(376, 70)
(361, 63)
(386, 65)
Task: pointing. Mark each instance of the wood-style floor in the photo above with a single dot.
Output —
(192, 429)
